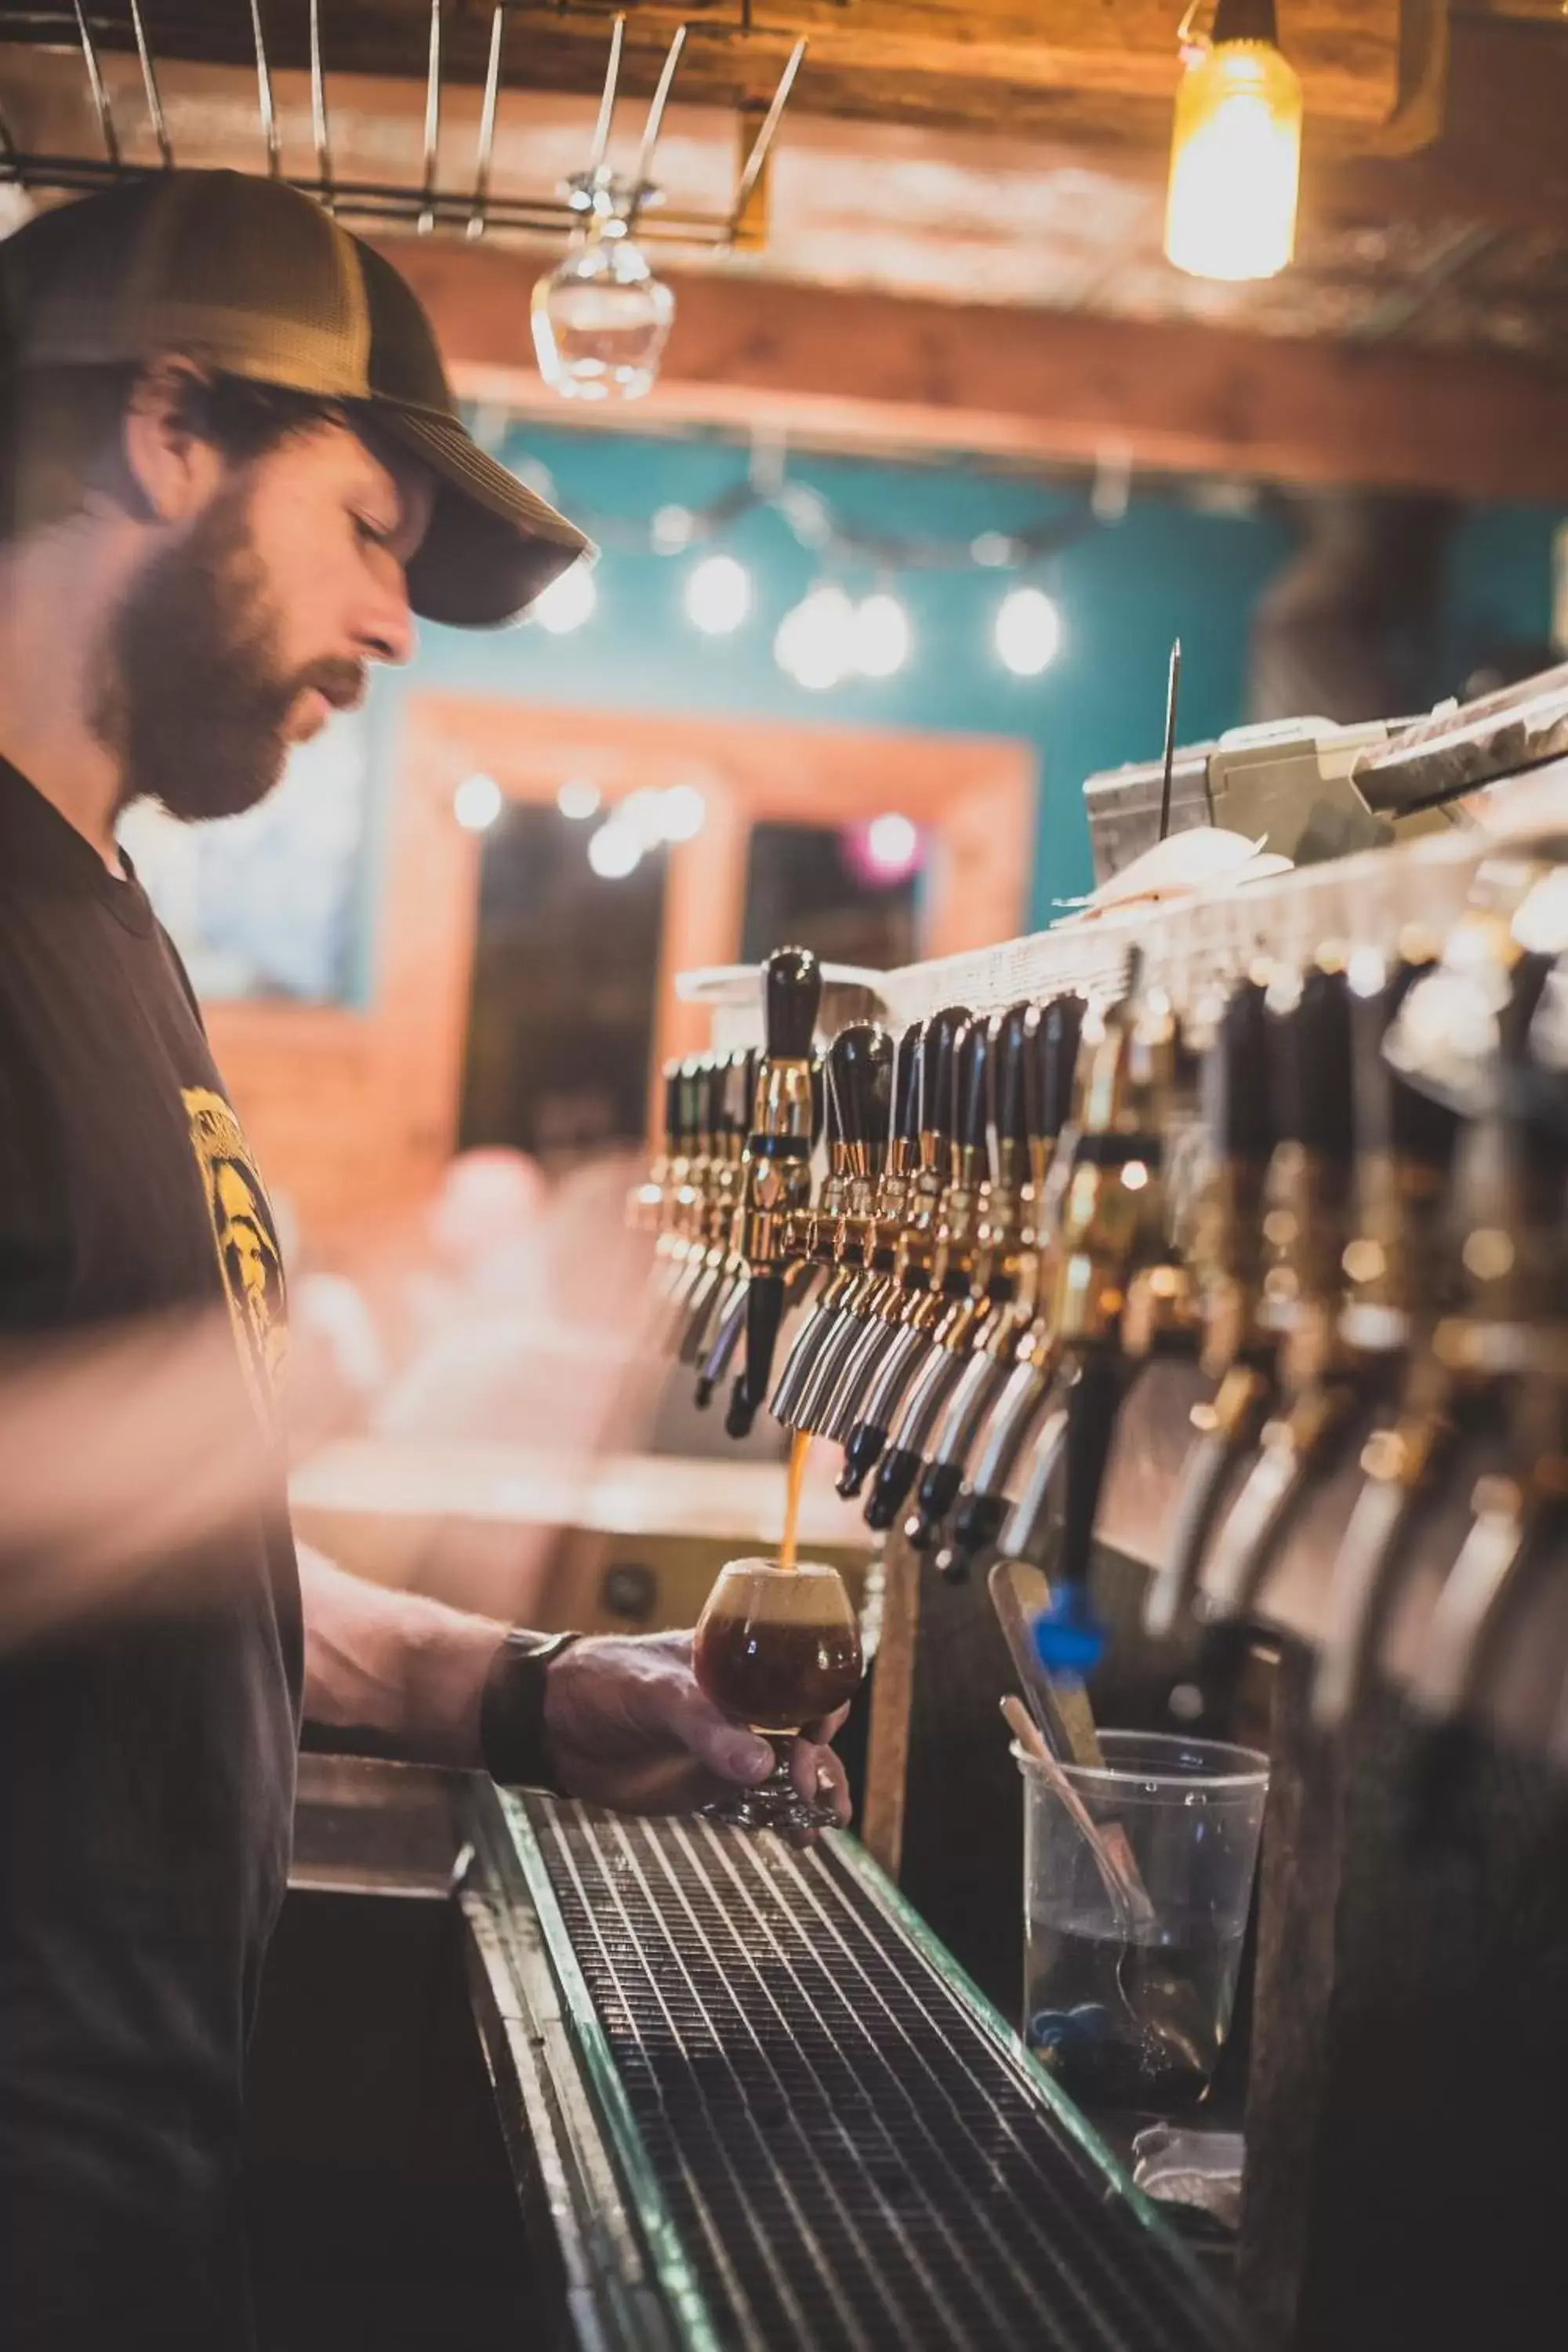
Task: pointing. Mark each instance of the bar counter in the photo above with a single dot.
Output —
(745, 2097)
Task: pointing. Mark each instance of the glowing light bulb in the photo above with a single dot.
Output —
(578, 799)
(567, 602)
(683, 812)
(718, 595)
(641, 816)
(815, 643)
(882, 644)
(1029, 631)
(892, 843)
(1236, 151)
(615, 851)
(477, 803)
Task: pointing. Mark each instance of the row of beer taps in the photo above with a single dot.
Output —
(1337, 1189)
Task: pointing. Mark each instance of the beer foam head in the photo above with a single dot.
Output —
(804, 1595)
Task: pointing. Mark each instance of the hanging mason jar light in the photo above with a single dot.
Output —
(1236, 149)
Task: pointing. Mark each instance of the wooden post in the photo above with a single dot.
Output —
(1298, 1902)
(892, 1693)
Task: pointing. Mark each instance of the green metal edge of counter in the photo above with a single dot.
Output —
(672, 2270)
(880, 1889)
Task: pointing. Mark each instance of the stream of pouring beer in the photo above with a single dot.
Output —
(799, 1447)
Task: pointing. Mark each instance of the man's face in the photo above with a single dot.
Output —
(238, 637)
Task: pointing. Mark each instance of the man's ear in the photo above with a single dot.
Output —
(173, 466)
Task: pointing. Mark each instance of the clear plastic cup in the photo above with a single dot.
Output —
(1128, 1997)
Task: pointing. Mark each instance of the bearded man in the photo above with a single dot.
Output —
(230, 470)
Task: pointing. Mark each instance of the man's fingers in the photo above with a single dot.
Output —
(826, 1727)
(820, 1778)
(725, 1747)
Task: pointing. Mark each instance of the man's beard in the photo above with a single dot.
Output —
(196, 703)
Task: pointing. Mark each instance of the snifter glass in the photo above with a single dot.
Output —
(777, 1648)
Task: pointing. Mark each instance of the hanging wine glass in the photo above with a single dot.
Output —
(602, 317)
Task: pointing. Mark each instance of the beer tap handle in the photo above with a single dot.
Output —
(860, 1073)
(938, 1071)
(1011, 1052)
(860, 1090)
(1238, 1109)
(971, 1098)
(1050, 1069)
(907, 1077)
(776, 1171)
(1068, 1637)
(898, 1365)
(1311, 1054)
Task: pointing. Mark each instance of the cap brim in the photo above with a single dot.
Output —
(492, 545)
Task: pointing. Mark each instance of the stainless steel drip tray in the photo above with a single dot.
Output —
(819, 2133)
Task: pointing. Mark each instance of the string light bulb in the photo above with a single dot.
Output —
(1236, 148)
(882, 636)
(718, 595)
(1028, 630)
(567, 602)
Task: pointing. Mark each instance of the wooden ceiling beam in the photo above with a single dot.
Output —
(869, 370)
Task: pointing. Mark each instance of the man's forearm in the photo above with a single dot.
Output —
(407, 1668)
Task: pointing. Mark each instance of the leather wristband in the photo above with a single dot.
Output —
(513, 1746)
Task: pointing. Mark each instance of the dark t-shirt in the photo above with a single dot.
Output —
(147, 1753)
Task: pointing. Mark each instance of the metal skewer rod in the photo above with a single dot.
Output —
(264, 92)
(149, 84)
(1173, 690)
(655, 122)
(765, 135)
(96, 82)
(607, 98)
(479, 216)
(319, 109)
(426, 220)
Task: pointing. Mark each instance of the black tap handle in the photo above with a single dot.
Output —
(672, 1106)
(1310, 1042)
(716, 1106)
(972, 1063)
(1093, 1403)
(792, 995)
(1051, 1066)
(907, 1085)
(939, 1049)
(693, 1103)
(1237, 1087)
(860, 1078)
(737, 1096)
(1012, 1043)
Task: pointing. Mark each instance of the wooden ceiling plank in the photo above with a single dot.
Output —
(869, 369)
(877, 56)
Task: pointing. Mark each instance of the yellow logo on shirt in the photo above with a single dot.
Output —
(245, 1240)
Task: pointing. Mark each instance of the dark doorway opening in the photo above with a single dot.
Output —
(803, 890)
(561, 1018)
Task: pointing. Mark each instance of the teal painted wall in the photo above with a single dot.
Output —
(1170, 565)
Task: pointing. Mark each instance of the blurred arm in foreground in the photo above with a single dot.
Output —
(126, 1450)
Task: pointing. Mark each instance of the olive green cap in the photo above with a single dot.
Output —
(253, 278)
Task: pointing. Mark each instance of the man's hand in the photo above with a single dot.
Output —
(628, 1726)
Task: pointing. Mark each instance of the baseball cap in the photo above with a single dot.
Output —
(253, 278)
